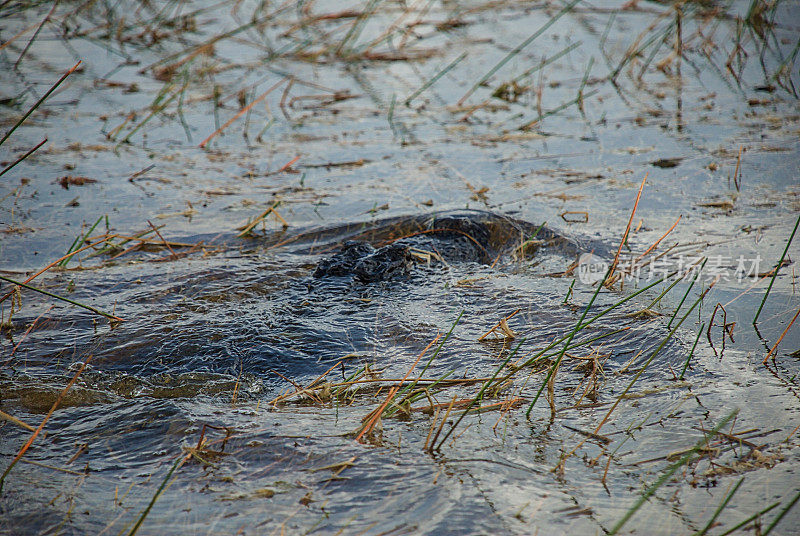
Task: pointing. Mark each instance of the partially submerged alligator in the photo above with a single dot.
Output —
(390, 248)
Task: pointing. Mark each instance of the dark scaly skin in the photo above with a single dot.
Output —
(365, 263)
(383, 250)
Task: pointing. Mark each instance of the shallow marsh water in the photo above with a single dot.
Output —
(209, 337)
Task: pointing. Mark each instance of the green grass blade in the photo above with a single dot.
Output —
(435, 78)
(696, 276)
(577, 328)
(548, 61)
(689, 358)
(23, 157)
(669, 472)
(479, 396)
(40, 101)
(157, 494)
(652, 357)
(749, 519)
(517, 49)
(79, 241)
(355, 29)
(777, 269)
(719, 509)
(563, 106)
(433, 356)
(663, 293)
(781, 514)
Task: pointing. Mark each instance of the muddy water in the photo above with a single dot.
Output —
(210, 338)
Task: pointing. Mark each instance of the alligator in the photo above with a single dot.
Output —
(391, 248)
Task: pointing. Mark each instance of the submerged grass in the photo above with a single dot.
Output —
(785, 331)
(410, 388)
(164, 483)
(41, 426)
(577, 100)
(260, 218)
(158, 106)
